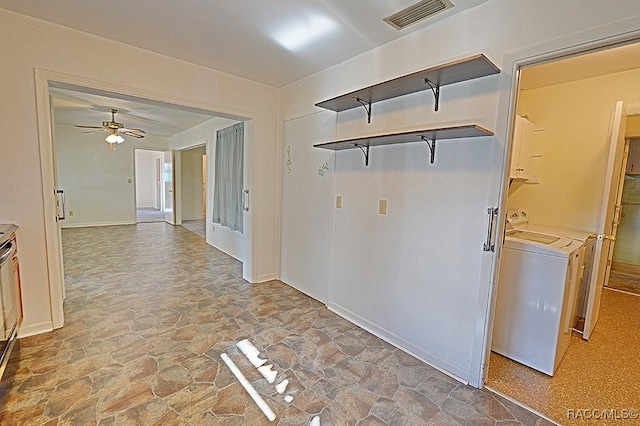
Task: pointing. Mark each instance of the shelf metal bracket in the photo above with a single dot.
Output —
(431, 143)
(435, 88)
(367, 107)
(365, 152)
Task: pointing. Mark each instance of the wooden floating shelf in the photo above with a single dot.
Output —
(430, 136)
(427, 79)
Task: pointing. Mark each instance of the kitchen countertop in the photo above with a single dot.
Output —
(6, 229)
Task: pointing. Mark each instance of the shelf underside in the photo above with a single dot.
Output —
(456, 132)
(453, 72)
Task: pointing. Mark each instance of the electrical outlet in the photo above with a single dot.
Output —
(129, 181)
(338, 201)
(382, 206)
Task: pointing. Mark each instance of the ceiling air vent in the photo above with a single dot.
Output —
(417, 12)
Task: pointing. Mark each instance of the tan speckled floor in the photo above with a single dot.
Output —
(601, 374)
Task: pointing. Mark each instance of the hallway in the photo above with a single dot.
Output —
(151, 309)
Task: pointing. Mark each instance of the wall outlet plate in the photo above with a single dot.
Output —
(382, 206)
(338, 201)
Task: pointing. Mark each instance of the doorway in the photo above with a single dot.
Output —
(48, 81)
(625, 269)
(567, 163)
(149, 185)
(193, 190)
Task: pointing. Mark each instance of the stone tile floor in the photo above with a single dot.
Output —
(625, 277)
(151, 308)
(198, 226)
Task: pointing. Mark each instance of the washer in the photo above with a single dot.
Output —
(519, 219)
(536, 290)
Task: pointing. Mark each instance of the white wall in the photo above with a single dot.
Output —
(307, 204)
(98, 181)
(146, 179)
(26, 193)
(417, 276)
(573, 121)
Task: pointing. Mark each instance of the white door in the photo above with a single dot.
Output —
(169, 188)
(608, 219)
(159, 168)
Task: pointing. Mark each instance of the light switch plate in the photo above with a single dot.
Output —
(338, 201)
(382, 207)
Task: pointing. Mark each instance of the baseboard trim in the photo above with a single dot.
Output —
(34, 329)
(265, 278)
(90, 225)
(520, 404)
(434, 361)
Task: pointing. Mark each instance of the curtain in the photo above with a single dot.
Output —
(228, 177)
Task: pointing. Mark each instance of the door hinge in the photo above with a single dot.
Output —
(602, 237)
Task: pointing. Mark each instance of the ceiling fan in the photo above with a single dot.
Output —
(115, 129)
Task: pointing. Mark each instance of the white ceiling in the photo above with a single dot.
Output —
(239, 37)
(72, 107)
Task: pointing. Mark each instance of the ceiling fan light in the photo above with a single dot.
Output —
(114, 138)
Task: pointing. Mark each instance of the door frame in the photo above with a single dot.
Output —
(178, 175)
(601, 38)
(44, 79)
(135, 176)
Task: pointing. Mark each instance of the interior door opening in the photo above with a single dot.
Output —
(149, 188)
(559, 173)
(192, 194)
(50, 121)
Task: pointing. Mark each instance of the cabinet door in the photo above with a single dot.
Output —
(515, 149)
(633, 161)
(522, 149)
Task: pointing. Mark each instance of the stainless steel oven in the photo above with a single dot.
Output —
(10, 305)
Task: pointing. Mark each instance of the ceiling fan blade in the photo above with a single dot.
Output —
(93, 131)
(135, 135)
(87, 127)
(132, 130)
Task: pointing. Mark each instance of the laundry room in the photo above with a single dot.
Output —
(565, 133)
(565, 177)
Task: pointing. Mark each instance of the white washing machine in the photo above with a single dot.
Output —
(536, 293)
(519, 219)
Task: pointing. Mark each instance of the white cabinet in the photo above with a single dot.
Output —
(522, 149)
(633, 161)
